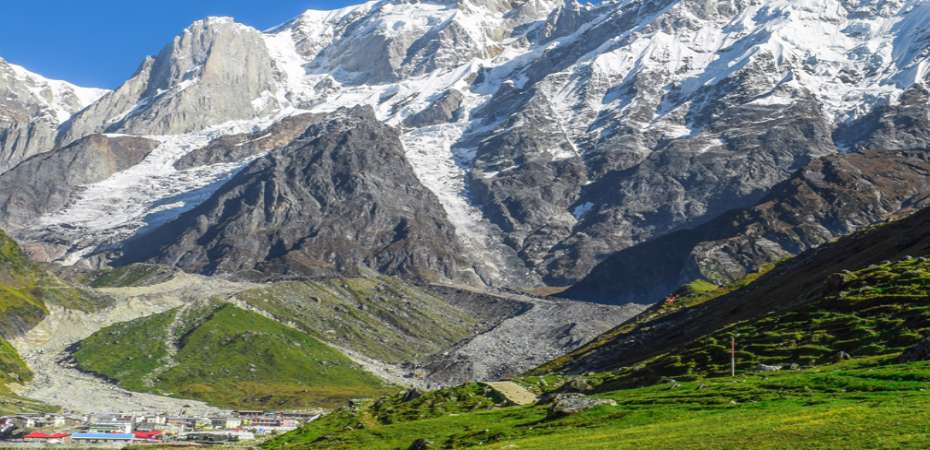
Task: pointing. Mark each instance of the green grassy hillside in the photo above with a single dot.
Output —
(12, 367)
(801, 282)
(859, 404)
(380, 317)
(26, 290)
(225, 356)
(20, 308)
(14, 370)
(878, 310)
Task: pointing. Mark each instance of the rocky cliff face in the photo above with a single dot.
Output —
(829, 198)
(339, 197)
(31, 108)
(237, 147)
(213, 72)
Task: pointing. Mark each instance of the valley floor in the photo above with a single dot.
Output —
(856, 404)
(57, 384)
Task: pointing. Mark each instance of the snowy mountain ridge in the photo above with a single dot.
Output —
(61, 98)
(553, 133)
(31, 109)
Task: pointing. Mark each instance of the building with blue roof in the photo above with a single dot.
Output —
(102, 436)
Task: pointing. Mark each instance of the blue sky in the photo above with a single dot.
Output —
(100, 43)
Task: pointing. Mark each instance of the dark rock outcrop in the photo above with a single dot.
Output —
(903, 126)
(236, 147)
(446, 108)
(341, 196)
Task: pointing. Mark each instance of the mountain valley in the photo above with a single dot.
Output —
(493, 224)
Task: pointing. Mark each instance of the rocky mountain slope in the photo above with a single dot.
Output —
(33, 108)
(46, 183)
(828, 198)
(551, 134)
(341, 196)
(178, 91)
(379, 317)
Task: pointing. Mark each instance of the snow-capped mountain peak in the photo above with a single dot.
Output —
(60, 98)
(552, 132)
(31, 108)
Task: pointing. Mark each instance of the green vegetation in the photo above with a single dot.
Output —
(879, 310)
(14, 370)
(455, 400)
(26, 289)
(23, 287)
(228, 357)
(19, 307)
(128, 352)
(856, 404)
(12, 367)
(380, 317)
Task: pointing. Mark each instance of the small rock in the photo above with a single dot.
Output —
(421, 444)
(574, 403)
(841, 356)
(768, 368)
(794, 366)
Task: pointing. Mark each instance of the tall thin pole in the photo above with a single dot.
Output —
(732, 356)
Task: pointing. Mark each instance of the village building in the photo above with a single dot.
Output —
(226, 423)
(47, 438)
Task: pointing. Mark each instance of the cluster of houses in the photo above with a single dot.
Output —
(141, 428)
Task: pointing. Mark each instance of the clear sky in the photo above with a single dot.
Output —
(100, 43)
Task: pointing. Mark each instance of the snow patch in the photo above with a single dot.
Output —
(146, 195)
(582, 210)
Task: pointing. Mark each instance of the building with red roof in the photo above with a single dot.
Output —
(40, 435)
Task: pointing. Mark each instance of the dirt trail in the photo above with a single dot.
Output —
(44, 346)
